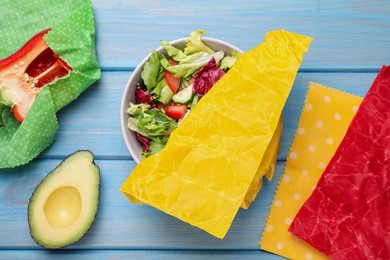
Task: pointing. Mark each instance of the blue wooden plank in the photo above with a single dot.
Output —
(347, 34)
(92, 121)
(120, 224)
(138, 254)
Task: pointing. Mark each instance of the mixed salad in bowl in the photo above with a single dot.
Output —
(170, 84)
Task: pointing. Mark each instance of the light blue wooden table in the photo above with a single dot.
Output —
(351, 42)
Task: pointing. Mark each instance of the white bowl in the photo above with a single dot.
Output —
(133, 145)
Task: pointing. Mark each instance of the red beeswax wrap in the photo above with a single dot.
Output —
(348, 214)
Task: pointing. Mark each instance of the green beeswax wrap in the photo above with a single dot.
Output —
(72, 38)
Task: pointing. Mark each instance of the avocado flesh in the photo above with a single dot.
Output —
(64, 205)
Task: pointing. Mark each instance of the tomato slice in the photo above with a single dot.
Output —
(176, 111)
(18, 116)
(173, 83)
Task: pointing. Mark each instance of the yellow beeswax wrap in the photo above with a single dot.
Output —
(210, 160)
(325, 118)
(266, 168)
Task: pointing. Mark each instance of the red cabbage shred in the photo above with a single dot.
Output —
(206, 77)
(143, 96)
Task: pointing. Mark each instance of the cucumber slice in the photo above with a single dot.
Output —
(183, 96)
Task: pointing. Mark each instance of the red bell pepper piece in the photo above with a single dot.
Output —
(23, 74)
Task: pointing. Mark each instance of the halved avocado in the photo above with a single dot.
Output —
(64, 205)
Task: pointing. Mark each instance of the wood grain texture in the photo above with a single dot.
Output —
(136, 254)
(120, 224)
(351, 42)
(347, 34)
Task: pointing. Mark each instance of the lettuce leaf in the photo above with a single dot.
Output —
(228, 61)
(157, 90)
(194, 43)
(149, 122)
(173, 52)
(152, 127)
(191, 63)
(156, 144)
(151, 71)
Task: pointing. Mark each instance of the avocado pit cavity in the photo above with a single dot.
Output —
(63, 207)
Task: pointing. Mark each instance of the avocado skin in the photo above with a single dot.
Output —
(43, 180)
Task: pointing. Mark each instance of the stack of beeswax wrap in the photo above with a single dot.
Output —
(325, 118)
(72, 38)
(348, 214)
(210, 160)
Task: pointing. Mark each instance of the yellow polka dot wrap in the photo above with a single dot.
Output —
(325, 118)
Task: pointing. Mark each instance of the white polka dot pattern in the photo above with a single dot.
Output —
(72, 38)
(325, 117)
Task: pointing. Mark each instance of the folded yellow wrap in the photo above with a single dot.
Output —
(324, 121)
(266, 168)
(210, 160)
